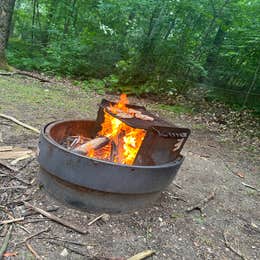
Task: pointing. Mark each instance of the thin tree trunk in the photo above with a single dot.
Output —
(33, 19)
(6, 11)
(252, 83)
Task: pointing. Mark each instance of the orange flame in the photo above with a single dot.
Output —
(126, 139)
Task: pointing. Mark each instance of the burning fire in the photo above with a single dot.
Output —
(125, 141)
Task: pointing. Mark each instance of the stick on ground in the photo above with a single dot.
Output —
(56, 219)
(20, 123)
(33, 251)
(26, 73)
(33, 235)
(13, 188)
(96, 219)
(249, 186)
(8, 221)
(142, 255)
(228, 245)
(6, 166)
(6, 241)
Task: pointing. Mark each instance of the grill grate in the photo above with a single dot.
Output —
(163, 141)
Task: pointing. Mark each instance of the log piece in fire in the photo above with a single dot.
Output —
(93, 144)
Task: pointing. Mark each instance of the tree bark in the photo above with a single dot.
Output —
(6, 11)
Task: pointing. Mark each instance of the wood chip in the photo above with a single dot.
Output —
(8, 254)
(15, 153)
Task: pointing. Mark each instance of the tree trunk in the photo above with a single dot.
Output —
(6, 11)
(252, 84)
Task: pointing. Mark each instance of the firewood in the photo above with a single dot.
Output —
(120, 113)
(95, 144)
(144, 117)
(134, 111)
(124, 115)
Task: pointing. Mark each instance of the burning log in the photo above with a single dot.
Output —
(144, 117)
(93, 144)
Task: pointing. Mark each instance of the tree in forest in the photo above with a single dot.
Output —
(6, 11)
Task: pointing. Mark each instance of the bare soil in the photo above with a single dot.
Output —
(228, 226)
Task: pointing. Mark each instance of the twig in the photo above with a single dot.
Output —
(21, 158)
(33, 251)
(142, 255)
(25, 73)
(6, 241)
(96, 219)
(68, 247)
(20, 123)
(12, 187)
(65, 241)
(30, 213)
(177, 185)
(8, 221)
(55, 218)
(200, 205)
(8, 167)
(228, 245)
(13, 170)
(249, 186)
(27, 163)
(33, 235)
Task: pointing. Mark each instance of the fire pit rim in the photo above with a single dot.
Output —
(45, 131)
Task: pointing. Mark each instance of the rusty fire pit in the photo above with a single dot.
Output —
(97, 185)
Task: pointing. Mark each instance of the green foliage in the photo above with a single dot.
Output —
(93, 84)
(178, 109)
(143, 47)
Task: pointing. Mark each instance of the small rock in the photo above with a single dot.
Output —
(64, 252)
(105, 217)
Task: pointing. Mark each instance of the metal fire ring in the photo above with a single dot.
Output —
(97, 174)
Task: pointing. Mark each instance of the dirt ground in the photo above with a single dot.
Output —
(228, 226)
